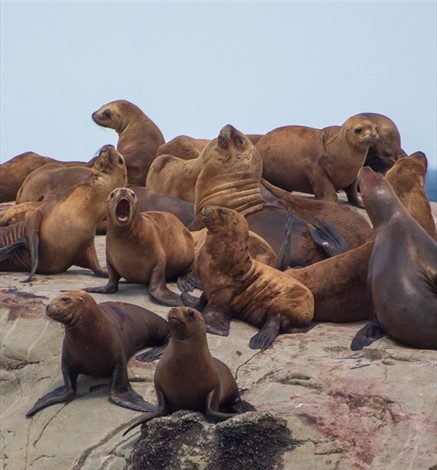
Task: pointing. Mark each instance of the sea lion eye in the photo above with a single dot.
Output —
(358, 130)
(239, 141)
(65, 300)
(106, 113)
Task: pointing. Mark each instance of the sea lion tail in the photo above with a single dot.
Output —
(284, 252)
(242, 406)
(328, 238)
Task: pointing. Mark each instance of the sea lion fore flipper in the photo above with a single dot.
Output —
(152, 354)
(267, 334)
(212, 407)
(112, 285)
(369, 333)
(88, 259)
(328, 239)
(199, 303)
(188, 281)
(158, 289)
(242, 406)
(352, 194)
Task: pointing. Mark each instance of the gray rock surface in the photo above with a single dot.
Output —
(373, 409)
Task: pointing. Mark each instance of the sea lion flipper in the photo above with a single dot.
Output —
(212, 407)
(352, 194)
(59, 395)
(88, 259)
(328, 238)
(131, 400)
(267, 334)
(112, 285)
(242, 406)
(199, 303)
(6, 251)
(34, 256)
(217, 322)
(369, 333)
(188, 281)
(158, 289)
(152, 354)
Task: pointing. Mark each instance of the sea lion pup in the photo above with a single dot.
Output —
(144, 247)
(387, 149)
(41, 183)
(187, 377)
(17, 213)
(60, 232)
(99, 340)
(339, 284)
(138, 136)
(402, 275)
(237, 286)
(318, 161)
(347, 220)
(232, 178)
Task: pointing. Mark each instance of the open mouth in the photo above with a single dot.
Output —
(122, 211)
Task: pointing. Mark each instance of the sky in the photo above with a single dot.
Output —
(194, 67)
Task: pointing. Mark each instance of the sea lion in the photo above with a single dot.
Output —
(237, 286)
(318, 161)
(41, 183)
(347, 220)
(60, 232)
(144, 247)
(138, 136)
(232, 177)
(387, 149)
(339, 284)
(187, 377)
(402, 274)
(99, 340)
(17, 213)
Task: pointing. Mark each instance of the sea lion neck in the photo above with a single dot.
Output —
(383, 205)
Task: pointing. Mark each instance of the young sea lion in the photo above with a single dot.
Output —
(138, 136)
(187, 377)
(402, 275)
(99, 340)
(339, 284)
(318, 161)
(232, 178)
(237, 286)
(43, 182)
(144, 247)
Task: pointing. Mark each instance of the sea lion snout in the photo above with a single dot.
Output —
(185, 321)
(122, 202)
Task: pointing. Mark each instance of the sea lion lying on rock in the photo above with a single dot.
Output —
(318, 161)
(138, 136)
(17, 213)
(402, 274)
(187, 377)
(237, 286)
(144, 247)
(43, 182)
(99, 340)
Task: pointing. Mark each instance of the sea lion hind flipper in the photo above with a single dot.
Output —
(34, 256)
(328, 238)
(242, 406)
(369, 333)
(131, 400)
(152, 354)
(7, 251)
(267, 334)
(58, 395)
(212, 407)
(284, 252)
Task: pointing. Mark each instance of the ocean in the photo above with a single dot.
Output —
(431, 184)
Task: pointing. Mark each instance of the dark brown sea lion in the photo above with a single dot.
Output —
(99, 340)
(402, 275)
(60, 232)
(187, 377)
(318, 161)
(144, 247)
(237, 286)
(41, 183)
(339, 284)
(231, 178)
(347, 220)
(387, 150)
(138, 136)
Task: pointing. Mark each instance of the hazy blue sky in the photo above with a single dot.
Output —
(193, 67)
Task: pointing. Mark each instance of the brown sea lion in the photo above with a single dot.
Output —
(138, 136)
(99, 340)
(402, 274)
(339, 284)
(347, 220)
(318, 161)
(17, 213)
(237, 286)
(144, 247)
(231, 178)
(41, 183)
(187, 377)
(60, 232)
(387, 150)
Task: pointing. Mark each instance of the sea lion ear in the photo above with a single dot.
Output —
(191, 313)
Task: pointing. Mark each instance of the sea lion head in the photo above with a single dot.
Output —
(408, 172)
(185, 323)
(387, 147)
(359, 132)
(68, 308)
(108, 160)
(227, 222)
(122, 204)
(115, 115)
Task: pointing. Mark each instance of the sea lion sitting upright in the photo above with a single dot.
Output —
(138, 136)
(318, 161)
(237, 286)
(402, 277)
(187, 377)
(41, 183)
(144, 247)
(99, 340)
